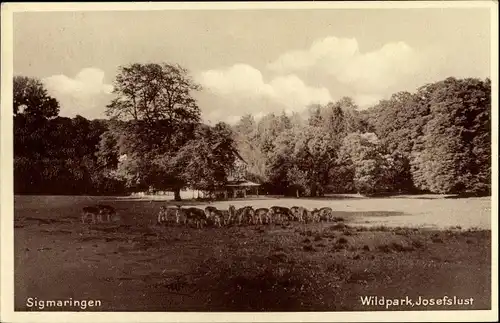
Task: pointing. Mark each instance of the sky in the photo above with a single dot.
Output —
(253, 61)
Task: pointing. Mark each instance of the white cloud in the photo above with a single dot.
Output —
(84, 94)
(321, 52)
(245, 82)
(380, 71)
(240, 79)
(337, 62)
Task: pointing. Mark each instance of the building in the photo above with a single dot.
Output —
(241, 188)
(237, 185)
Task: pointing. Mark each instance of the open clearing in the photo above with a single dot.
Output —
(140, 266)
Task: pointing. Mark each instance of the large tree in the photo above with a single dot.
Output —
(160, 114)
(453, 154)
(152, 92)
(398, 123)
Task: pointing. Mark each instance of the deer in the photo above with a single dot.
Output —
(197, 215)
(91, 211)
(245, 213)
(326, 214)
(263, 216)
(281, 212)
(214, 215)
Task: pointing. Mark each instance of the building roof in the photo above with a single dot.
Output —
(233, 150)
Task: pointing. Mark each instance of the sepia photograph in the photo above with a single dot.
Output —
(217, 159)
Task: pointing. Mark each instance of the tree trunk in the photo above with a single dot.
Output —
(177, 194)
(297, 193)
(314, 190)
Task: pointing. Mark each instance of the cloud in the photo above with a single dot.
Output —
(85, 94)
(337, 63)
(321, 51)
(376, 72)
(243, 81)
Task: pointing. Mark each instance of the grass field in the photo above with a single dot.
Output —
(391, 247)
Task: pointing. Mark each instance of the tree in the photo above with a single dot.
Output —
(245, 128)
(314, 154)
(399, 122)
(374, 170)
(279, 160)
(453, 154)
(337, 119)
(31, 99)
(315, 117)
(246, 139)
(33, 108)
(299, 181)
(156, 102)
(107, 153)
(301, 160)
(57, 157)
(257, 140)
(152, 92)
(205, 161)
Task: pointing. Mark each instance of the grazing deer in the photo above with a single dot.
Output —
(232, 214)
(298, 213)
(315, 216)
(326, 214)
(281, 213)
(308, 216)
(214, 215)
(263, 216)
(197, 215)
(91, 211)
(180, 216)
(106, 210)
(245, 214)
(162, 215)
(295, 210)
(225, 216)
(301, 213)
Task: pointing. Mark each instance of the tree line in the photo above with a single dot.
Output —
(437, 139)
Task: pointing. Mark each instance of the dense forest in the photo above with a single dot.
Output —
(437, 139)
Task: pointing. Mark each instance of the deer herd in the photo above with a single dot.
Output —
(246, 215)
(212, 216)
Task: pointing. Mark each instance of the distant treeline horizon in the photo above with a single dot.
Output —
(434, 140)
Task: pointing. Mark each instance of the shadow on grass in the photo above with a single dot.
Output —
(327, 197)
(277, 283)
(467, 195)
(347, 214)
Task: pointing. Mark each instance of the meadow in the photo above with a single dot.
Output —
(427, 246)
